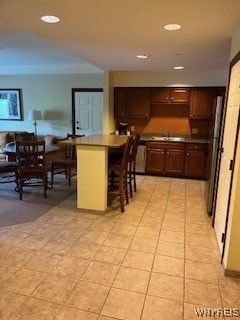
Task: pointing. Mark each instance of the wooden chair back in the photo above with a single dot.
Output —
(127, 152)
(30, 156)
(70, 150)
(31, 160)
(24, 136)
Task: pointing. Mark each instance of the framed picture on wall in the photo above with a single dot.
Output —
(10, 104)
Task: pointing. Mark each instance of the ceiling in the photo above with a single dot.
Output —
(96, 35)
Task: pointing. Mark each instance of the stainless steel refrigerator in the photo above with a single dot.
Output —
(214, 155)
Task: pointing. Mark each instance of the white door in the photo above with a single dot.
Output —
(229, 139)
(88, 112)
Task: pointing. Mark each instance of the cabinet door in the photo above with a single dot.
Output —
(179, 95)
(195, 163)
(174, 161)
(119, 103)
(138, 102)
(155, 161)
(160, 95)
(201, 103)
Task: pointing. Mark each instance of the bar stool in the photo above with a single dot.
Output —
(132, 165)
(118, 174)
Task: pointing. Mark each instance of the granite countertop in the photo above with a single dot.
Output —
(187, 138)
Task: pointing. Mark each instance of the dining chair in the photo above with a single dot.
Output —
(24, 136)
(68, 164)
(30, 156)
(117, 182)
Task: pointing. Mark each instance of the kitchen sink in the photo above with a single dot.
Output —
(167, 138)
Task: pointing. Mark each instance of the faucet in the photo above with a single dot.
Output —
(166, 133)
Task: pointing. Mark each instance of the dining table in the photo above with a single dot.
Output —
(50, 150)
(92, 169)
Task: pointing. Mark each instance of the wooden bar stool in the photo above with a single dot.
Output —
(118, 174)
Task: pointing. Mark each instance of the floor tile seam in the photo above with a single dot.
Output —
(102, 262)
(125, 290)
(18, 307)
(220, 292)
(64, 306)
(205, 263)
(77, 282)
(200, 260)
(205, 281)
(121, 264)
(151, 271)
(162, 297)
(17, 269)
(77, 238)
(184, 247)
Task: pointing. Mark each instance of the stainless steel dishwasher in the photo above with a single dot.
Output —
(141, 159)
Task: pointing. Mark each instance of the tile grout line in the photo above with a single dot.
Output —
(144, 302)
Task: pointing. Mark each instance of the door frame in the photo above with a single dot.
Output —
(73, 102)
(232, 63)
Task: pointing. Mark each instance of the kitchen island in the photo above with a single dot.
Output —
(92, 169)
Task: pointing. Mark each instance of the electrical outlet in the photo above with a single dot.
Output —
(195, 130)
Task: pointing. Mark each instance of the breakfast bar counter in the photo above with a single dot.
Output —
(92, 169)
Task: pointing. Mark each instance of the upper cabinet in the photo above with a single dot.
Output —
(138, 102)
(201, 103)
(119, 103)
(131, 102)
(170, 95)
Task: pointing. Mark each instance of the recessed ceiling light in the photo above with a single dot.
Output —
(178, 67)
(143, 56)
(50, 19)
(172, 26)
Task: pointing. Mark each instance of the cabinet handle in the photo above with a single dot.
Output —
(190, 115)
(172, 98)
(167, 98)
(188, 154)
(123, 114)
(196, 147)
(146, 114)
(168, 152)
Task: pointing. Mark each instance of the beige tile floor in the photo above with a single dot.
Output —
(157, 261)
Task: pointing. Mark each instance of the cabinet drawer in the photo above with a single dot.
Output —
(165, 145)
(196, 146)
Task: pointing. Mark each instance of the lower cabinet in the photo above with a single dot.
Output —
(155, 160)
(176, 159)
(195, 160)
(165, 158)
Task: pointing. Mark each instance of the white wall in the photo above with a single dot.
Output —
(175, 78)
(52, 94)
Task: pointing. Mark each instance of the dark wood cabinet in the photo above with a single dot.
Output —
(170, 95)
(155, 160)
(131, 103)
(201, 103)
(195, 159)
(174, 161)
(165, 158)
(138, 102)
(119, 103)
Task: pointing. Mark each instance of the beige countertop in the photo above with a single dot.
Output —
(103, 140)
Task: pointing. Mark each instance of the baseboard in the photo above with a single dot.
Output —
(232, 273)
